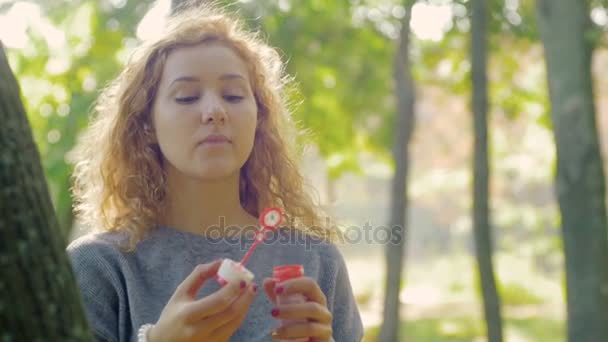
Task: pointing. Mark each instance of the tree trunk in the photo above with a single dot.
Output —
(395, 249)
(481, 217)
(565, 27)
(39, 297)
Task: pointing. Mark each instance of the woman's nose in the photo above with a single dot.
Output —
(212, 110)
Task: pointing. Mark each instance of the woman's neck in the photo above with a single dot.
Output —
(198, 206)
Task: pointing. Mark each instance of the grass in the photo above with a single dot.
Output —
(468, 329)
(516, 294)
(539, 329)
(447, 301)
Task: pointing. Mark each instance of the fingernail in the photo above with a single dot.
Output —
(243, 284)
(279, 290)
(274, 312)
(221, 281)
(254, 288)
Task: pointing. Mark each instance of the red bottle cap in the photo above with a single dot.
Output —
(284, 272)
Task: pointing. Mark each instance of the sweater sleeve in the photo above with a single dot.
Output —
(97, 286)
(346, 325)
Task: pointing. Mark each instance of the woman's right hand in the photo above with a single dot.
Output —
(212, 318)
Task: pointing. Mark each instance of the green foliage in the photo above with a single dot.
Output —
(511, 29)
(61, 80)
(456, 287)
(537, 329)
(512, 293)
(516, 294)
(597, 34)
(469, 329)
(342, 72)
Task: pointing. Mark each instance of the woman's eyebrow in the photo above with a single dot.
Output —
(184, 79)
(225, 77)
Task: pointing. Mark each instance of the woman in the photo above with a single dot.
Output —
(191, 137)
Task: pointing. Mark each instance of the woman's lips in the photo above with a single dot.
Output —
(215, 140)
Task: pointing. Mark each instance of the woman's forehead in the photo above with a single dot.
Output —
(204, 62)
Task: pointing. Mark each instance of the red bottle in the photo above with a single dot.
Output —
(280, 274)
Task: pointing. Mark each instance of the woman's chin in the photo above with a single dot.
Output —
(215, 173)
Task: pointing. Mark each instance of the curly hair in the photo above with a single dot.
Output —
(119, 182)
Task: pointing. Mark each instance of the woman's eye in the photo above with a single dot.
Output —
(233, 98)
(186, 99)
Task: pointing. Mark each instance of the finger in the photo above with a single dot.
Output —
(199, 275)
(310, 310)
(213, 303)
(231, 319)
(236, 309)
(269, 285)
(302, 330)
(304, 285)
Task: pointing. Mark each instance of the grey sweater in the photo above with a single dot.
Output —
(122, 291)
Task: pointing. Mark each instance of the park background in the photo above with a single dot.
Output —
(379, 104)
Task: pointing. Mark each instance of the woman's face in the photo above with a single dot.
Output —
(205, 113)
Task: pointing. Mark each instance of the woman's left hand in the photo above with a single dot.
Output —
(314, 310)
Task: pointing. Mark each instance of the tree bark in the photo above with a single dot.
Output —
(580, 185)
(39, 297)
(395, 249)
(481, 216)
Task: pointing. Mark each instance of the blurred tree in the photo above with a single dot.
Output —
(568, 40)
(39, 299)
(482, 229)
(69, 56)
(395, 249)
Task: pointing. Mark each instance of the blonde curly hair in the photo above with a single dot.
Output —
(119, 178)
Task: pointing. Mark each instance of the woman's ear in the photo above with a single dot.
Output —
(149, 133)
(258, 121)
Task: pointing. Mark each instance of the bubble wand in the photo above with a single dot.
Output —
(270, 219)
(231, 271)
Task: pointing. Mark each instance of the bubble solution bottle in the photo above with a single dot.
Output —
(280, 274)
